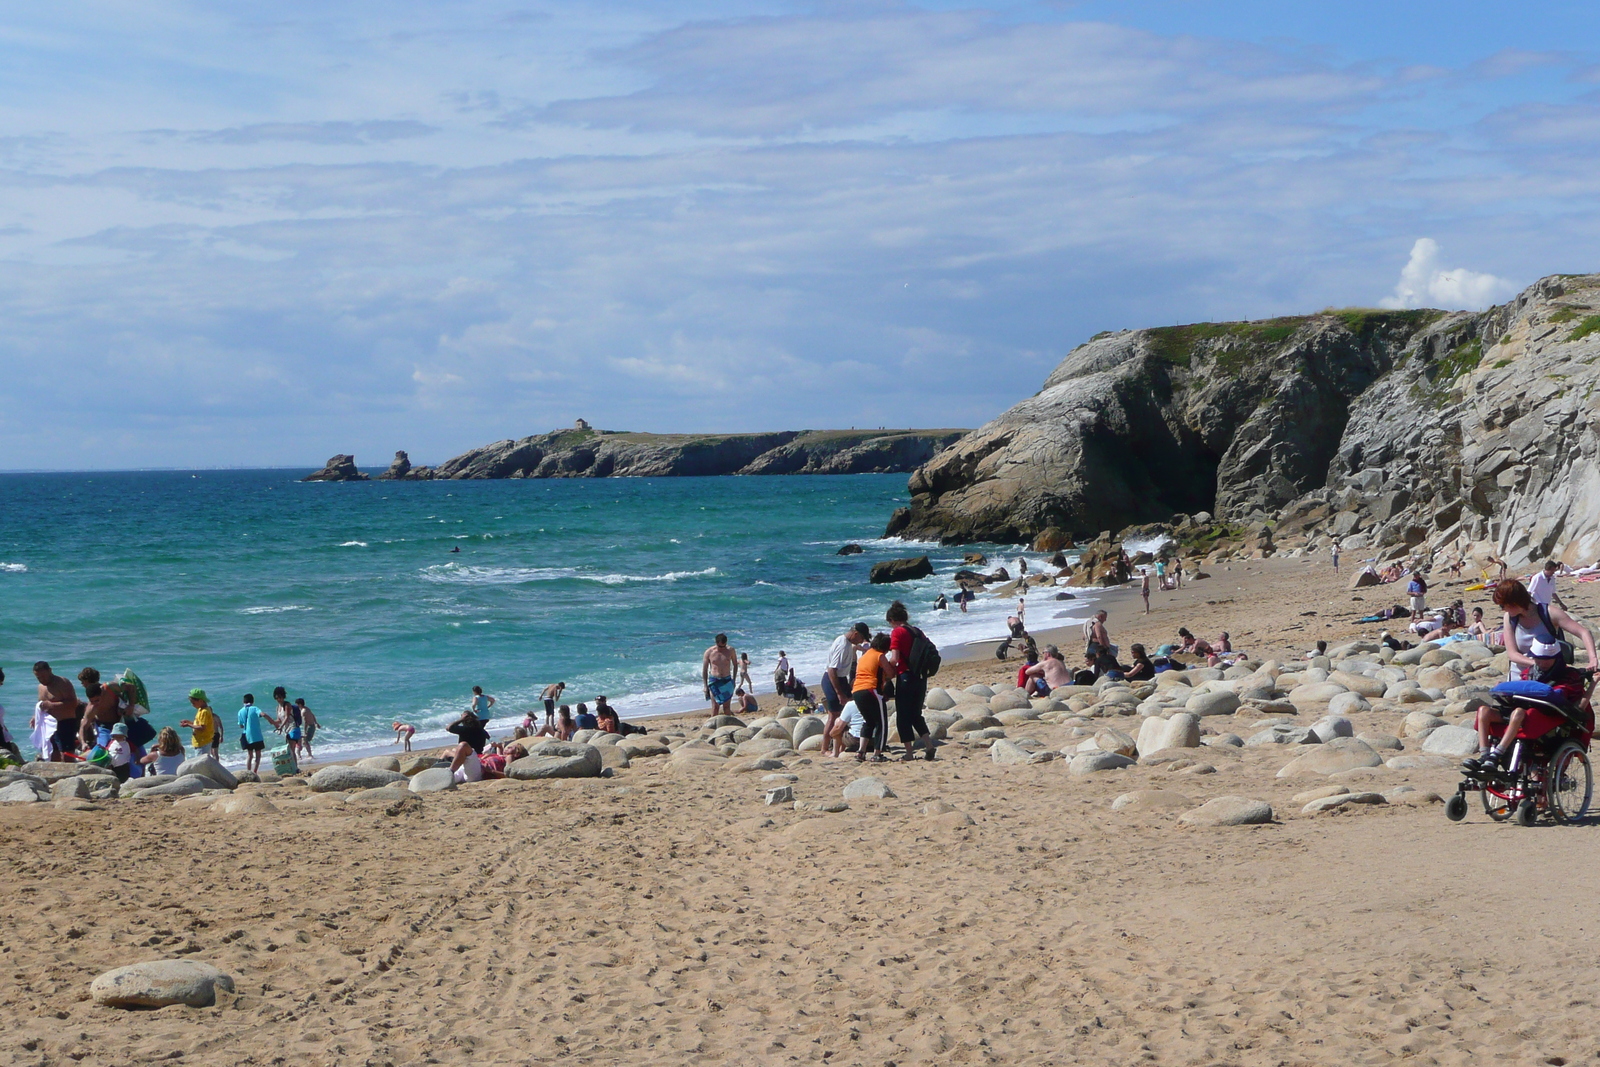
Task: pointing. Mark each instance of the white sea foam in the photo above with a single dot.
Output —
(1151, 545)
(454, 573)
(276, 609)
(352, 544)
(13, 568)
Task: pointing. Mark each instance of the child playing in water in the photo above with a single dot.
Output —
(402, 734)
(308, 725)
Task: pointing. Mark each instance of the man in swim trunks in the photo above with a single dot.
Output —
(58, 698)
(716, 674)
(551, 694)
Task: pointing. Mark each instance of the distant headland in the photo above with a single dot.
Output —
(584, 452)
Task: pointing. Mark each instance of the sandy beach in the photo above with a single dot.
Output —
(984, 913)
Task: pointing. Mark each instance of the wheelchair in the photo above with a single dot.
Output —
(1547, 772)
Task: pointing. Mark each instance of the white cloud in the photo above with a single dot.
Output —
(1423, 283)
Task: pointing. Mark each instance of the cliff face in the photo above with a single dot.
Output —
(1390, 429)
(587, 453)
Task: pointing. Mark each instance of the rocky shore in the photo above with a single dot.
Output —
(1422, 431)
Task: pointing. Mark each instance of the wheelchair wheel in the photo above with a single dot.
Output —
(1498, 808)
(1455, 809)
(1570, 785)
(1527, 813)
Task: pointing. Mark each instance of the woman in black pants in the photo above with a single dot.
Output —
(872, 677)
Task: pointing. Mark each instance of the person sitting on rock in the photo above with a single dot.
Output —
(1050, 672)
(465, 766)
(1141, 670)
(1086, 675)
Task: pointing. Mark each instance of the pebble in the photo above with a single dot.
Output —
(782, 795)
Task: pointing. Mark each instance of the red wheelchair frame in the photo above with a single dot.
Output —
(1547, 772)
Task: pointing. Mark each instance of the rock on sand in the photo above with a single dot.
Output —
(560, 759)
(868, 789)
(1228, 811)
(1340, 754)
(340, 779)
(159, 983)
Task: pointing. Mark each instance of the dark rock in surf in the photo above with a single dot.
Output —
(850, 550)
(901, 570)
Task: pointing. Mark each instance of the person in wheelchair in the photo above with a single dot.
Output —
(1568, 684)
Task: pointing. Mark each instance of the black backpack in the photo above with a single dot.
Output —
(925, 658)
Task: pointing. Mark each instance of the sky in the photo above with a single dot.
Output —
(257, 234)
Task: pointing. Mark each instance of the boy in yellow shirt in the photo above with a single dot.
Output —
(204, 723)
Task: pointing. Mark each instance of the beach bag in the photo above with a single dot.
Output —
(924, 658)
(1567, 651)
(283, 762)
(140, 732)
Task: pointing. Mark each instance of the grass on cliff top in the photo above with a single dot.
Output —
(1177, 344)
(1585, 328)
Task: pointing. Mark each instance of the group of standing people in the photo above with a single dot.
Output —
(865, 671)
(110, 726)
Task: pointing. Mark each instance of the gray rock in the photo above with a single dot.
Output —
(432, 780)
(1229, 811)
(185, 785)
(783, 794)
(1180, 731)
(1010, 753)
(382, 763)
(71, 789)
(159, 983)
(1332, 726)
(209, 767)
(1342, 800)
(1348, 704)
(637, 747)
(560, 759)
(341, 779)
(54, 772)
(1090, 762)
(149, 781)
(1381, 742)
(805, 727)
(867, 789)
(1456, 741)
(23, 792)
(1333, 757)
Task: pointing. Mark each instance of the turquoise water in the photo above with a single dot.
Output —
(348, 594)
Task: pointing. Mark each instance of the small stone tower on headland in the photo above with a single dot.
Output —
(581, 425)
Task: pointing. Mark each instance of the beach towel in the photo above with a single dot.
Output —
(44, 728)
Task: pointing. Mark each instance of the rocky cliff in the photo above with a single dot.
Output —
(589, 453)
(340, 468)
(1396, 430)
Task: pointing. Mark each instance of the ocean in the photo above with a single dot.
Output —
(349, 594)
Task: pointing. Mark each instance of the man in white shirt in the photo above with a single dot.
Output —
(1542, 586)
(839, 679)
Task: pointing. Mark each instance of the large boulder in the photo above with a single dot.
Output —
(1152, 800)
(382, 763)
(1459, 741)
(1358, 683)
(1215, 702)
(1180, 731)
(210, 768)
(868, 789)
(1337, 755)
(1091, 762)
(54, 772)
(159, 983)
(23, 791)
(557, 760)
(185, 785)
(432, 780)
(900, 570)
(1229, 811)
(342, 779)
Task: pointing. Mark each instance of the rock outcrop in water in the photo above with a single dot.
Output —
(401, 470)
(1395, 430)
(587, 453)
(340, 468)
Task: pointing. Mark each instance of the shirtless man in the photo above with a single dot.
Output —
(59, 699)
(100, 716)
(1095, 637)
(716, 674)
(551, 694)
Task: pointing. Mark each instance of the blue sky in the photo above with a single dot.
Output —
(258, 234)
